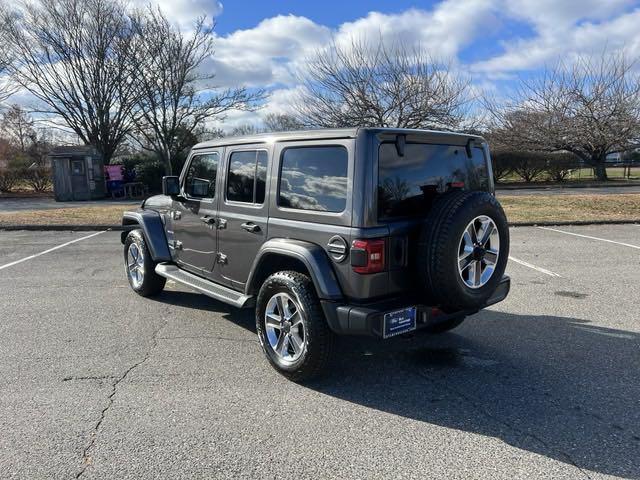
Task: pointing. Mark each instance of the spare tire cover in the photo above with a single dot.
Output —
(463, 250)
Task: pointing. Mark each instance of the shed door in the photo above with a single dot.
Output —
(79, 184)
(62, 179)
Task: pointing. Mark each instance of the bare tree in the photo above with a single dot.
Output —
(590, 108)
(18, 126)
(244, 129)
(281, 122)
(6, 58)
(364, 85)
(175, 93)
(76, 57)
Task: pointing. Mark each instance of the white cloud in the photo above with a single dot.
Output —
(266, 54)
(185, 12)
(588, 37)
(274, 50)
(555, 14)
(443, 31)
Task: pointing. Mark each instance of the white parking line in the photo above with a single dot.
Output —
(49, 250)
(592, 238)
(539, 269)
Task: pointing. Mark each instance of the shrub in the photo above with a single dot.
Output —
(527, 165)
(8, 179)
(143, 168)
(39, 178)
(150, 173)
(559, 165)
(14, 173)
(500, 166)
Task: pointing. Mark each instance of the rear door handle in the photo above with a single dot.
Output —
(251, 227)
(208, 220)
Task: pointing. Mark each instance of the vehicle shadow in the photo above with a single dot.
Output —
(558, 387)
(243, 318)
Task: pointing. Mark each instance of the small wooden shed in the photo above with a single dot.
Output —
(78, 173)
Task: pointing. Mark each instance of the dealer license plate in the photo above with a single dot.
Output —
(398, 322)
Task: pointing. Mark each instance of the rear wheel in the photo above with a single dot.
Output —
(140, 267)
(464, 248)
(293, 332)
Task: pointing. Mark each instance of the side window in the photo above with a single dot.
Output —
(314, 178)
(77, 167)
(200, 181)
(247, 177)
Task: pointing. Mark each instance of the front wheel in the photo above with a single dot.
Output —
(293, 332)
(140, 267)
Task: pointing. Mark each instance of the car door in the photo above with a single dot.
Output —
(243, 213)
(193, 215)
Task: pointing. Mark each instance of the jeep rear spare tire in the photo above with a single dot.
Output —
(463, 250)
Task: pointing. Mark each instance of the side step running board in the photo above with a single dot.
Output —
(209, 288)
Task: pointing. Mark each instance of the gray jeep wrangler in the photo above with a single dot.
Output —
(367, 231)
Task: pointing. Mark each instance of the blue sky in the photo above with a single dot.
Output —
(266, 44)
(246, 14)
(240, 15)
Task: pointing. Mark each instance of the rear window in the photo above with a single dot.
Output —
(247, 176)
(407, 185)
(314, 178)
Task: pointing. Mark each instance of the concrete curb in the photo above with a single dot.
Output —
(58, 228)
(579, 222)
(93, 228)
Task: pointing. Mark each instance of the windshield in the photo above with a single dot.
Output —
(408, 184)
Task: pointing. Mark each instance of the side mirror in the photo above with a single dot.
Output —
(171, 186)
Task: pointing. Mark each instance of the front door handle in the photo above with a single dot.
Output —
(208, 220)
(251, 227)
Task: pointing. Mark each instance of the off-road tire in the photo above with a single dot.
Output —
(438, 249)
(152, 283)
(319, 338)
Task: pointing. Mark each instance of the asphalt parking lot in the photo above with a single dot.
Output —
(96, 382)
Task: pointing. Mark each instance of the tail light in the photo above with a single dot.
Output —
(367, 256)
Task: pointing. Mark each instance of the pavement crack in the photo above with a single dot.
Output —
(92, 377)
(86, 453)
(505, 423)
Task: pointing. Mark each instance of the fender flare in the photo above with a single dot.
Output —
(311, 255)
(151, 224)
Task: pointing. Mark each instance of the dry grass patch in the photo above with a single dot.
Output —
(530, 208)
(571, 208)
(94, 215)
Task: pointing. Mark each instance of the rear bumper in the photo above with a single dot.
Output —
(367, 319)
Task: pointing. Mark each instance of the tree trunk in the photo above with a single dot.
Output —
(168, 170)
(600, 169)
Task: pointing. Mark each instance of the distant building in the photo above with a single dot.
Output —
(78, 173)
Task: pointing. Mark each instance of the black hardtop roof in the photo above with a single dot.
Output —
(335, 133)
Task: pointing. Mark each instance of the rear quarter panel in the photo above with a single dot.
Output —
(314, 226)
